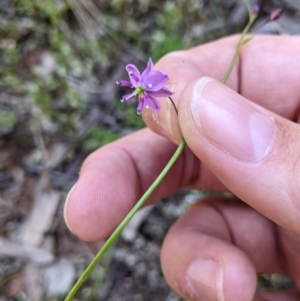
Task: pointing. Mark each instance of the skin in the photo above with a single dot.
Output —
(259, 232)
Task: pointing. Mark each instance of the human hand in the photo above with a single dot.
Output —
(250, 148)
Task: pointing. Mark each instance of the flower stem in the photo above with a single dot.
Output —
(172, 101)
(242, 42)
(125, 221)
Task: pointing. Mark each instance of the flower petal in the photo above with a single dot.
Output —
(163, 92)
(141, 104)
(151, 102)
(125, 83)
(155, 80)
(128, 96)
(147, 70)
(134, 75)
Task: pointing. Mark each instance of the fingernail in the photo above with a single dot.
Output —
(205, 277)
(230, 121)
(66, 205)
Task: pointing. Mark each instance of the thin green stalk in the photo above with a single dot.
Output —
(242, 42)
(173, 104)
(248, 6)
(126, 220)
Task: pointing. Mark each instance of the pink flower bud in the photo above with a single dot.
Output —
(275, 15)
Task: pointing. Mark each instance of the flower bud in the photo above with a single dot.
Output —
(255, 9)
(275, 15)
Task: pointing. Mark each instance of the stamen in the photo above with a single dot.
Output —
(122, 100)
(118, 83)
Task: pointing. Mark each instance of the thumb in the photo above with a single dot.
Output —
(254, 152)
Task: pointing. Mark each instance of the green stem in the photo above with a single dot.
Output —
(173, 105)
(126, 220)
(248, 6)
(252, 18)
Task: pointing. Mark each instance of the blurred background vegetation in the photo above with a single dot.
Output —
(59, 61)
(60, 58)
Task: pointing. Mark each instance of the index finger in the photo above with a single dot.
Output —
(114, 177)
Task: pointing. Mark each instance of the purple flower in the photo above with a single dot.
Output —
(147, 86)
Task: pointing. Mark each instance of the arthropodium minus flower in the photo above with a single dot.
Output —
(147, 86)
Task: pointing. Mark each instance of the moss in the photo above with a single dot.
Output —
(97, 137)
